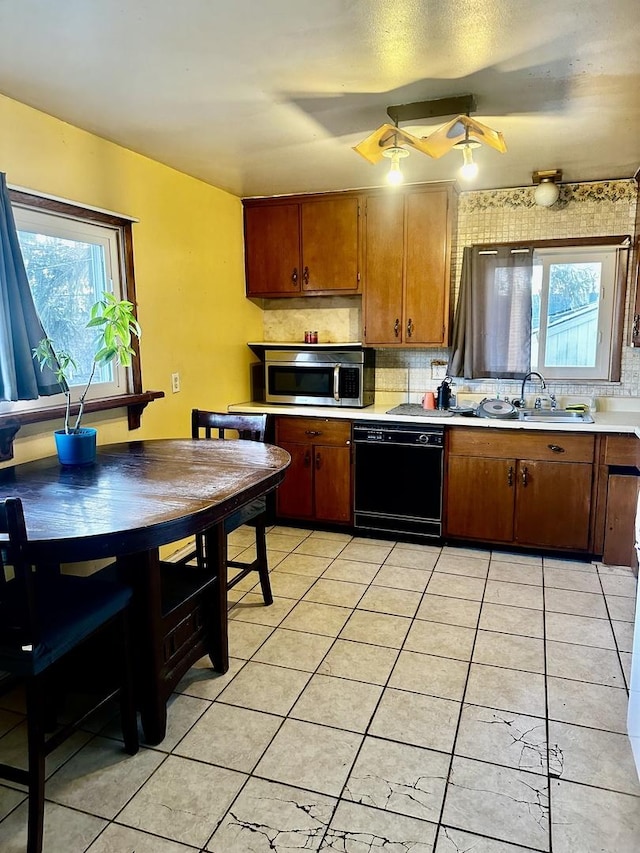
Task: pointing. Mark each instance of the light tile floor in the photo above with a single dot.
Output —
(395, 697)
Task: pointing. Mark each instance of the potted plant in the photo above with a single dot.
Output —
(116, 325)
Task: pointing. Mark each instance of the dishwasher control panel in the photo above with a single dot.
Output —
(374, 433)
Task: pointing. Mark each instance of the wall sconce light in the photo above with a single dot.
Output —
(395, 154)
(547, 190)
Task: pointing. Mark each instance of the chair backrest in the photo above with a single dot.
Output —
(250, 427)
(18, 624)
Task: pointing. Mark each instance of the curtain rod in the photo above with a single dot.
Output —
(623, 240)
(38, 194)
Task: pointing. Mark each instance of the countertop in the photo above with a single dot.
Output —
(607, 421)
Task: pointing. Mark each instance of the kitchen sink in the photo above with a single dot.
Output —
(558, 416)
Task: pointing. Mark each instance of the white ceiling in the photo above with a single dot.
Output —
(262, 97)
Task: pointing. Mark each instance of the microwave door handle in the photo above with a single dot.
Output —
(336, 381)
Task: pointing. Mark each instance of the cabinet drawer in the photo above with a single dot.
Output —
(622, 450)
(313, 430)
(516, 444)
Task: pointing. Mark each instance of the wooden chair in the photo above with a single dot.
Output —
(44, 618)
(250, 427)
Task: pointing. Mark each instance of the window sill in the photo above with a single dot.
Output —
(11, 423)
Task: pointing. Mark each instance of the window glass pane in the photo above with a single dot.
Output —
(67, 276)
(572, 314)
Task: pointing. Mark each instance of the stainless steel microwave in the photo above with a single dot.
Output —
(322, 377)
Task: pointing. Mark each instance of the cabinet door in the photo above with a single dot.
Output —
(426, 305)
(330, 245)
(332, 488)
(383, 270)
(553, 504)
(294, 496)
(619, 534)
(272, 249)
(480, 498)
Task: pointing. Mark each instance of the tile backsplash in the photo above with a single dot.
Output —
(335, 318)
(601, 208)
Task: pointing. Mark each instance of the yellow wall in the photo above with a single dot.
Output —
(189, 269)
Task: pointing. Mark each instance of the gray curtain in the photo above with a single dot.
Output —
(20, 326)
(492, 325)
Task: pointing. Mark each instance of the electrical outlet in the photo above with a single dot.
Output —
(438, 369)
(175, 382)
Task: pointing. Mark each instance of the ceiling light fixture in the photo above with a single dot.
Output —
(462, 132)
(547, 191)
(395, 154)
(469, 169)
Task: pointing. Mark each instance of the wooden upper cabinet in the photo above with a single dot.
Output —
(330, 244)
(302, 245)
(427, 283)
(407, 266)
(384, 255)
(272, 249)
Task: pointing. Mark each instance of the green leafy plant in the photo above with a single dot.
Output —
(116, 325)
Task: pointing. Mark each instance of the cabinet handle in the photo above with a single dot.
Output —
(525, 472)
(396, 327)
(555, 448)
(313, 432)
(305, 275)
(510, 476)
(294, 276)
(409, 327)
(318, 461)
(307, 459)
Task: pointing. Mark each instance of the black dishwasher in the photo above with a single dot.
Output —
(398, 478)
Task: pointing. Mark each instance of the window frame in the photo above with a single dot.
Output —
(109, 239)
(123, 227)
(133, 398)
(622, 244)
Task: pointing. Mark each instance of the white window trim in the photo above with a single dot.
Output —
(608, 256)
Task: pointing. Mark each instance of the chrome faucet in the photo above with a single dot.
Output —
(538, 403)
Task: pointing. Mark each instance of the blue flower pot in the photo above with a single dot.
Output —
(76, 448)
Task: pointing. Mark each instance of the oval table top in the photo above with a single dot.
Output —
(138, 494)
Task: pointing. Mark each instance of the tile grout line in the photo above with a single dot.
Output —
(339, 798)
(615, 639)
(250, 773)
(546, 702)
(439, 824)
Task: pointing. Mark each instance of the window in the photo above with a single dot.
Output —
(572, 312)
(552, 306)
(71, 257)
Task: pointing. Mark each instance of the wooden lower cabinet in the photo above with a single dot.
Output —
(318, 485)
(619, 533)
(553, 504)
(480, 501)
(619, 481)
(508, 488)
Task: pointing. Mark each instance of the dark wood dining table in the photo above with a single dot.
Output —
(137, 497)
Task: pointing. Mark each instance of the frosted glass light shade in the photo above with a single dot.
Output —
(546, 193)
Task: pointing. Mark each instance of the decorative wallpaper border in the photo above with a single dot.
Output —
(598, 191)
